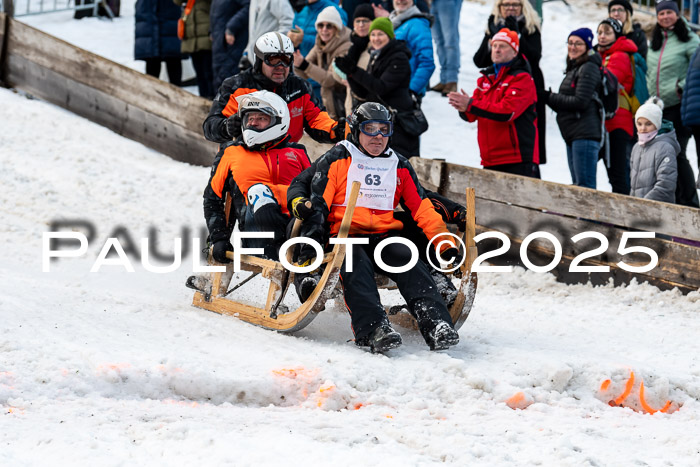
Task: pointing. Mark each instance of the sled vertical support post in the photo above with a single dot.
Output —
(4, 30)
(470, 233)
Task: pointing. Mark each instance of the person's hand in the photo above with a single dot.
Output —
(459, 100)
(233, 126)
(298, 59)
(339, 130)
(451, 256)
(543, 95)
(296, 35)
(230, 38)
(512, 24)
(380, 11)
(460, 218)
(302, 208)
(218, 251)
(492, 28)
(346, 64)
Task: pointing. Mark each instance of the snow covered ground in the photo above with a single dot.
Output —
(116, 368)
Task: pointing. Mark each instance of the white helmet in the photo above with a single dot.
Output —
(270, 104)
(272, 43)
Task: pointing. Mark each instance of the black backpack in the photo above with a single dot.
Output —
(608, 92)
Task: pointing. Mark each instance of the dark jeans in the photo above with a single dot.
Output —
(173, 65)
(696, 136)
(619, 170)
(526, 169)
(201, 61)
(686, 193)
(416, 286)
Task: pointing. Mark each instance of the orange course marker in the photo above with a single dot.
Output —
(647, 408)
(628, 389)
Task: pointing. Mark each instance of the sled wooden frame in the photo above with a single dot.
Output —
(307, 311)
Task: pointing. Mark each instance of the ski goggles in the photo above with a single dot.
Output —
(274, 60)
(377, 127)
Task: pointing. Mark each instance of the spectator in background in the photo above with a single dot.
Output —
(332, 40)
(266, 16)
(519, 16)
(156, 38)
(386, 79)
(578, 115)
(653, 165)
(361, 19)
(690, 103)
(197, 43)
(621, 10)
(672, 46)
(446, 35)
(615, 49)
(503, 105)
(229, 32)
(413, 26)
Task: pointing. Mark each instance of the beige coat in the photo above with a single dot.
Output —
(320, 58)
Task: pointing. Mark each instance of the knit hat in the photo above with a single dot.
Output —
(614, 24)
(363, 10)
(508, 36)
(667, 5)
(623, 3)
(330, 15)
(383, 24)
(652, 110)
(586, 35)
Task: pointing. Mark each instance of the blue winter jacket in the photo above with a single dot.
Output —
(306, 20)
(155, 31)
(690, 100)
(416, 32)
(232, 16)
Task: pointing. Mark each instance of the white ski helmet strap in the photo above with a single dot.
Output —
(272, 43)
(271, 104)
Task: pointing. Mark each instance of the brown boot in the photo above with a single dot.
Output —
(438, 87)
(448, 88)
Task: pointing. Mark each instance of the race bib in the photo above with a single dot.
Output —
(377, 176)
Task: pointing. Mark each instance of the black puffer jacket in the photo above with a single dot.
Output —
(578, 113)
(387, 81)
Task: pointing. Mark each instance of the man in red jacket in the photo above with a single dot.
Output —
(503, 105)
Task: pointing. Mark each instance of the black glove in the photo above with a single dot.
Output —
(218, 252)
(543, 96)
(244, 63)
(512, 24)
(460, 218)
(493, 28)
(233, 126)
(302, 208)
(339, 130)
(452, 256)
(346, 64)
(417, 99)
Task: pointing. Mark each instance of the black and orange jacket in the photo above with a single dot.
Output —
(236, 169)
(304, 110)
(327, 192)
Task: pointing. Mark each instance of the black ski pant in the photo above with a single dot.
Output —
(172, 64)
(619, 169)
(201, 61)
(268, 218)
(416, 286)
(686, 192)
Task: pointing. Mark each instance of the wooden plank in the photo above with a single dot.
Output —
(678, 263)
(146, 92)
(125, 119)
(669, 219)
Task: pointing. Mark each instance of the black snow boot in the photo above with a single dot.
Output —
(381, 339)
(305, 283)
(442, 336)
(447, 290)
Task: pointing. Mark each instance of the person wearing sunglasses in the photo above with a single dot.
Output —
(503, 105)
(272, 71)
(387, 179)
(332, 40)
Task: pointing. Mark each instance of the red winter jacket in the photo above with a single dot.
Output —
(617, 59)
(504, 106)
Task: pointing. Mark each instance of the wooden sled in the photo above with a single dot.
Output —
(272, 315)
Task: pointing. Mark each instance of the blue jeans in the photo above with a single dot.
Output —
(583, 161)
(446, 35)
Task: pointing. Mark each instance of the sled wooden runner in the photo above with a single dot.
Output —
(459, 311)
(274, 271)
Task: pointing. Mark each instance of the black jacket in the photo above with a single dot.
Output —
(640, 40)
(578, 113)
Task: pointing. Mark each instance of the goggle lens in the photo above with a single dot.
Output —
(279, 60)
(377, 127)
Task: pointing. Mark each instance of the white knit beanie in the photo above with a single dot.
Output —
(330, 15)
(652, 110)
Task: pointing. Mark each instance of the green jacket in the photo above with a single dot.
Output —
(668, 66)
(196, 27)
